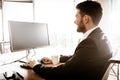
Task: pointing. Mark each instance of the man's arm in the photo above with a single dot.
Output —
(64, 58)
(79, 63)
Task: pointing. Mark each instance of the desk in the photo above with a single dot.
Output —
(15, 67)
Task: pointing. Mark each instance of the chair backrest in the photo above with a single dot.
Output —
(107, 69)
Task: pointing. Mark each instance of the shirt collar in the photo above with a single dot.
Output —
(88, 32)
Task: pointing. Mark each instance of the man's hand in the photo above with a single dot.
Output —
(46, 60)
(31, 63)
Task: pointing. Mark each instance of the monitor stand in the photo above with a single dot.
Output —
(28, 58)
(29, 54)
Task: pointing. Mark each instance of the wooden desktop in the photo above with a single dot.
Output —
(6, 65)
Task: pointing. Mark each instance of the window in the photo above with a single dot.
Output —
(59, 14)
(18, 11)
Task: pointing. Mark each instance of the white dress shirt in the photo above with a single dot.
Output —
(85, 35)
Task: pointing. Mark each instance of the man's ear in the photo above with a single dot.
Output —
(86, 19)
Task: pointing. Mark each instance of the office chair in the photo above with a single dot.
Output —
(106, 70)
(109, 67)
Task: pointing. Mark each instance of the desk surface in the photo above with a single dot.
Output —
(15, 67)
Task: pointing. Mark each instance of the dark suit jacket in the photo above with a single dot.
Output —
(87, 62)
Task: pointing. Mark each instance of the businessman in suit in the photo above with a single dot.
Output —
(91, 54)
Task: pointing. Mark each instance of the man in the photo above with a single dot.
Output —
(91, 54)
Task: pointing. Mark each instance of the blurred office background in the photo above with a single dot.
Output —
(60, 16)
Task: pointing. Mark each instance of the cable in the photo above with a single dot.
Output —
(19, 60)
(34, 52)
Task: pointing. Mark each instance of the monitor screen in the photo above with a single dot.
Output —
(27, 35)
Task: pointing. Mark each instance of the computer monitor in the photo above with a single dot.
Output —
(27, 35)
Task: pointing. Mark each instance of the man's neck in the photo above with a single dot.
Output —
(89, 26)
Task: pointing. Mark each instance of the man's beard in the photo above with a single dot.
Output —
(81, 28)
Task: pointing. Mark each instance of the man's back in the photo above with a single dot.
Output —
(91, 55)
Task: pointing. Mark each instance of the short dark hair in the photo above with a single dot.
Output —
(91, 8)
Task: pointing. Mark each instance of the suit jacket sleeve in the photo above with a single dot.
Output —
(83, 60)
(64, 58)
